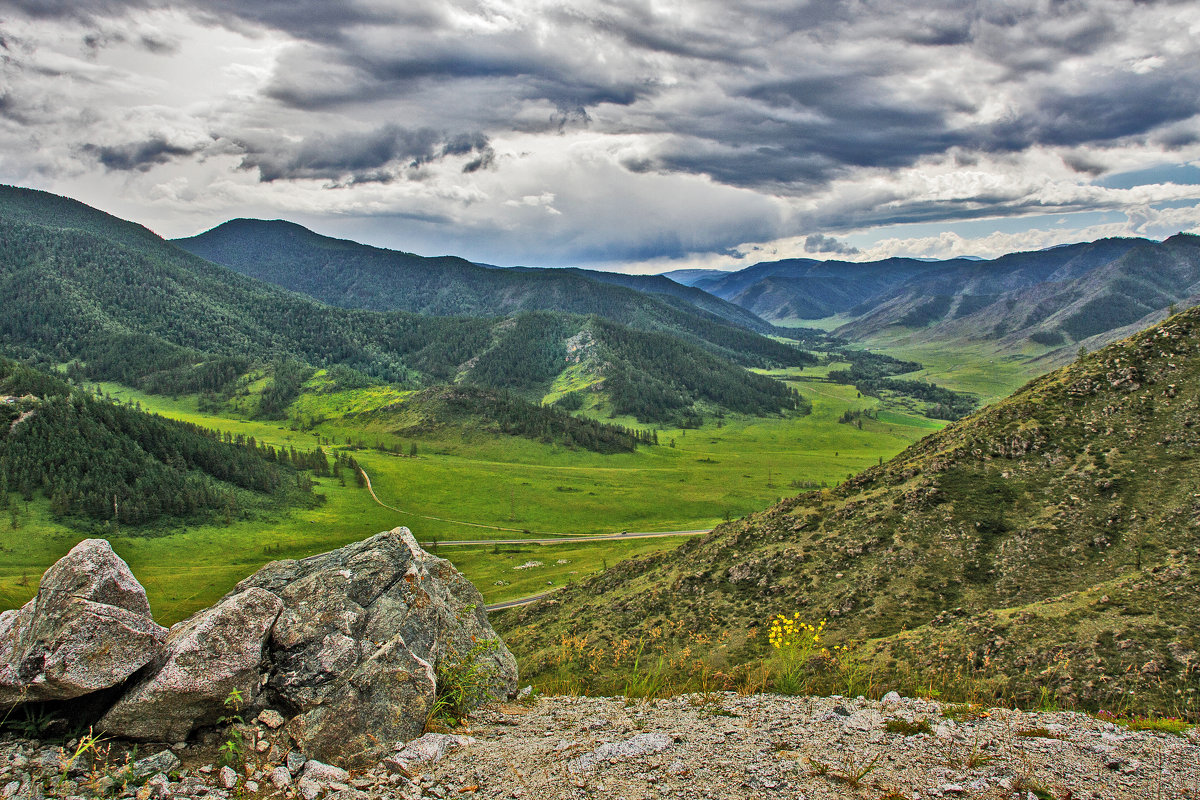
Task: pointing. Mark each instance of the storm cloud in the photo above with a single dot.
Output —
(139, 156)
(703, 131)
(382, 154)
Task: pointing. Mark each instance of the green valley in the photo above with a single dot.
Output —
(695, 478)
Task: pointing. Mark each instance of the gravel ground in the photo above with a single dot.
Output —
(713, 746)
(726, 746)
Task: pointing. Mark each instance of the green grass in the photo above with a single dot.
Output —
(727, 468)
(1178, 727)
(493, 567)
(976, 368)
(907, 727)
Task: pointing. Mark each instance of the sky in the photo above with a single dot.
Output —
(637, 136)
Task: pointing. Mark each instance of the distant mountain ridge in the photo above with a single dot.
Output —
(353, 275)
(80, 285)
(690, 277)
(1045, 300)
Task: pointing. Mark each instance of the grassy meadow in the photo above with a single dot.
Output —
(462, 473)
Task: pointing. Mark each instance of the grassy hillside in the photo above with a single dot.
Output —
(1046, 546)
(82, 286)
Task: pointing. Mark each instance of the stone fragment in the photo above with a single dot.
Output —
(89, 628)
(280, 778)
(431, 748)
(295, 761)
(309, 790)
(271, 718)
(640, 745)
(163, 761)
(227, 777)
(208, 657)
(324, 773)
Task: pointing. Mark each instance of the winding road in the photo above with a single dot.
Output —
(547, 540)
(551, 538)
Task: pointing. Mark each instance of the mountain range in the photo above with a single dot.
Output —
(81, 285)
(1043, 303)
(353, 275)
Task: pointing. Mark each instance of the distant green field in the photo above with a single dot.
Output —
(695, 478)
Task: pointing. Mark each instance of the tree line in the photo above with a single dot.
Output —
(99, 462)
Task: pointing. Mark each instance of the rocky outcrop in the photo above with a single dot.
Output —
(88, 629)
(209, 657)
(341, 652)
(345, 646)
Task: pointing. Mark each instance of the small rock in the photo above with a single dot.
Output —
(295, 761)
(640, 745)
(271, 718)
(324, 773)
(430, 748)
(164, 761)
(280, 777)
(251, 787)
(227, 777)
(157, 788)
(891, 698)
(308, 789)
(262, 746)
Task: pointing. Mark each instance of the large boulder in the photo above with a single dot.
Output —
(355, 652)
(346, 644)
(88, 629)
(211, 658)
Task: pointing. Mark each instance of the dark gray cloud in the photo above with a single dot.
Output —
(1111, 109)
(138, 156)
(374, 156)
(819, 243)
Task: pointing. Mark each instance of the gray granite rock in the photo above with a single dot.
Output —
(357, 645)
(208, 656)
(163, 761)
(89, 628)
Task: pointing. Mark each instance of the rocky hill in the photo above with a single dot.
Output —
(1045, 547)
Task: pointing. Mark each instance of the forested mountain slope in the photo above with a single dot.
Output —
(353, 275)
(1050, 541)
(102, 463)
(86, 286)
(1055, 298)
